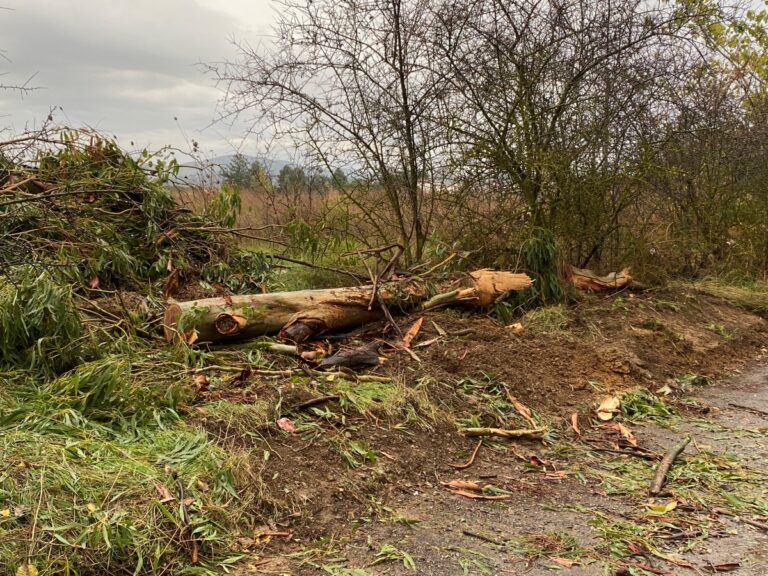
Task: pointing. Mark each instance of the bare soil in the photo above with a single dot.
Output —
(563, 495)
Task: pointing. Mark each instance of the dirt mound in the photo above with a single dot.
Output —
(378, 443)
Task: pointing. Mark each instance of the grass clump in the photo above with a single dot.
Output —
(752, 296)
(640, 404)
(396, 400)
(547, 320)
(559, 544)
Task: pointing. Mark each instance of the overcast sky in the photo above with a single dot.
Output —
(126, 67)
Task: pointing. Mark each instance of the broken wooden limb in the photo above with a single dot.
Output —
(666, 463)
(480, 288)
(503, 433)
(277, 348)
(584, 279)
(298, 316)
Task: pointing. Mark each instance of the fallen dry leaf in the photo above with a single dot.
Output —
(427, 342)
(439, 329)
(608, 408)
(659, 509)
(516, 328)
(725, 567)
(536, 461)
(567, 563)
(559, 475)
(625, 432)
(287, 425)
(201, 382)
(575, 423)
(522, 409)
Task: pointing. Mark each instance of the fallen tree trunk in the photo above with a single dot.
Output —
(584, 279)
(298, 316)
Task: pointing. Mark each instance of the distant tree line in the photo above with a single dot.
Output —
(243, 172)
(634, 131)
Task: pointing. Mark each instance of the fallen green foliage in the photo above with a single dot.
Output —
(96, 503)
(98, 472)
(640, 404)
(40, 330)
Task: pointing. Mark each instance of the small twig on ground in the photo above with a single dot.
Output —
(666, 463)
(503, 433)
(482, 537)
(287, 535)
(645, 455)
(749, 409)
(754, 523)
(294, 372)
(471, 460)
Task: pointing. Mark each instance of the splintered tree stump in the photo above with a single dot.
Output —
(305, 314)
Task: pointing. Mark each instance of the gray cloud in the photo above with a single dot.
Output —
(128, 68)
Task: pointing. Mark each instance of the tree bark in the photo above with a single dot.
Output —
(298, 316)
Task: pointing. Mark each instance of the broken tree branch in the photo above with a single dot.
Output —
(666, 463)
(503, 433)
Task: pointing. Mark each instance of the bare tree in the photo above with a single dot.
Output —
(350, 82)
(549, 98)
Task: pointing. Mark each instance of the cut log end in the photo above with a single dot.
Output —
(228, 324)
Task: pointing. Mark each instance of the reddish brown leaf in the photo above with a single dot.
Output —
(625, 432)
(522, 409)
(287, 425)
